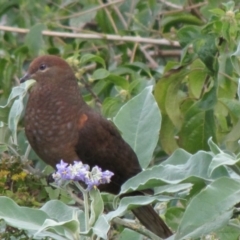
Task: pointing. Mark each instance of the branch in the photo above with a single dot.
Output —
(91, 10)
(183, 9)
(137, 228)
(109, 37)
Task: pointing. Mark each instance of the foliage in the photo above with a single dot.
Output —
(188, 57)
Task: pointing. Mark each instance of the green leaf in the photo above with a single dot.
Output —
(218, 12)
(167, 135)
(187, 34)
(197, 128)
(168, 95)
(232, 105)
(7, 5)
(141, 66)
(173, 217)
(21, 217)
(209, 99)
(97, 206)
(34, 39)
(139, 121)
(60, 211)
(14, 117)
(184, 168)
(222, 159)
(62, 219)
(213, 146)
(128, 203)
(229, 232)
(206, 49)
(92, 58)
(101, 227)
(128, 234)
(173, 188)
(173, 20)
(235, 58)
(80, 21)
(118, 81)
(111, 106)
(198, 221)
(100, 73)
(229, 6)
(17, 108)
(197, 78)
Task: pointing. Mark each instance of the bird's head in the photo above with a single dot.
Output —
(49, 69)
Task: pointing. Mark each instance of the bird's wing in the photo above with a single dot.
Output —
(101, 144)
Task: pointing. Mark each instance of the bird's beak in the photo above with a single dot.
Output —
(26, 77)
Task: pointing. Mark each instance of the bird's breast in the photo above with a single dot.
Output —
(49, 127)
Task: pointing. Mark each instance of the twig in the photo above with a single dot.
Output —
(89, 67)
(109, 37)
(152, 62)
(172, 5)
(137, 228)
(124, 23)
(109, 17)
(184, 8)
(136, 45)
(131, 10)
(195, 11)
(133, 52)
(164, 53)
(87, 86)
(74, 196)
(90, 10)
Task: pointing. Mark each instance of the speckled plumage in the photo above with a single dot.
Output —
(60, 125)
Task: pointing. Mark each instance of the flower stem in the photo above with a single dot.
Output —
(86, 205)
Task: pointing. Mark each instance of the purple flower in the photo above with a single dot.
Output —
(106, 176)
(62, 170)
(80, 172)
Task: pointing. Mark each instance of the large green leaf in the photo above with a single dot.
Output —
(181, 167)
(139, 120)
(129, 203)
(210, 210)
(21, 217)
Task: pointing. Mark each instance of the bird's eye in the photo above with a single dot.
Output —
(43, 67)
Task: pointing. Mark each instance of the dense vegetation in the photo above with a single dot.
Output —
(174, 65)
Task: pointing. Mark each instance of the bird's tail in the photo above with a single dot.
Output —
(152, 221)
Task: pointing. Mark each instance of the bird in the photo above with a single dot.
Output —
(60, 125)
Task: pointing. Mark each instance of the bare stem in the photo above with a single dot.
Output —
(86, 205)
(91, 10)
(137, 228)
(109, 37)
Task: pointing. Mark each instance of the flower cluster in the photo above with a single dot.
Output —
(80, 172)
